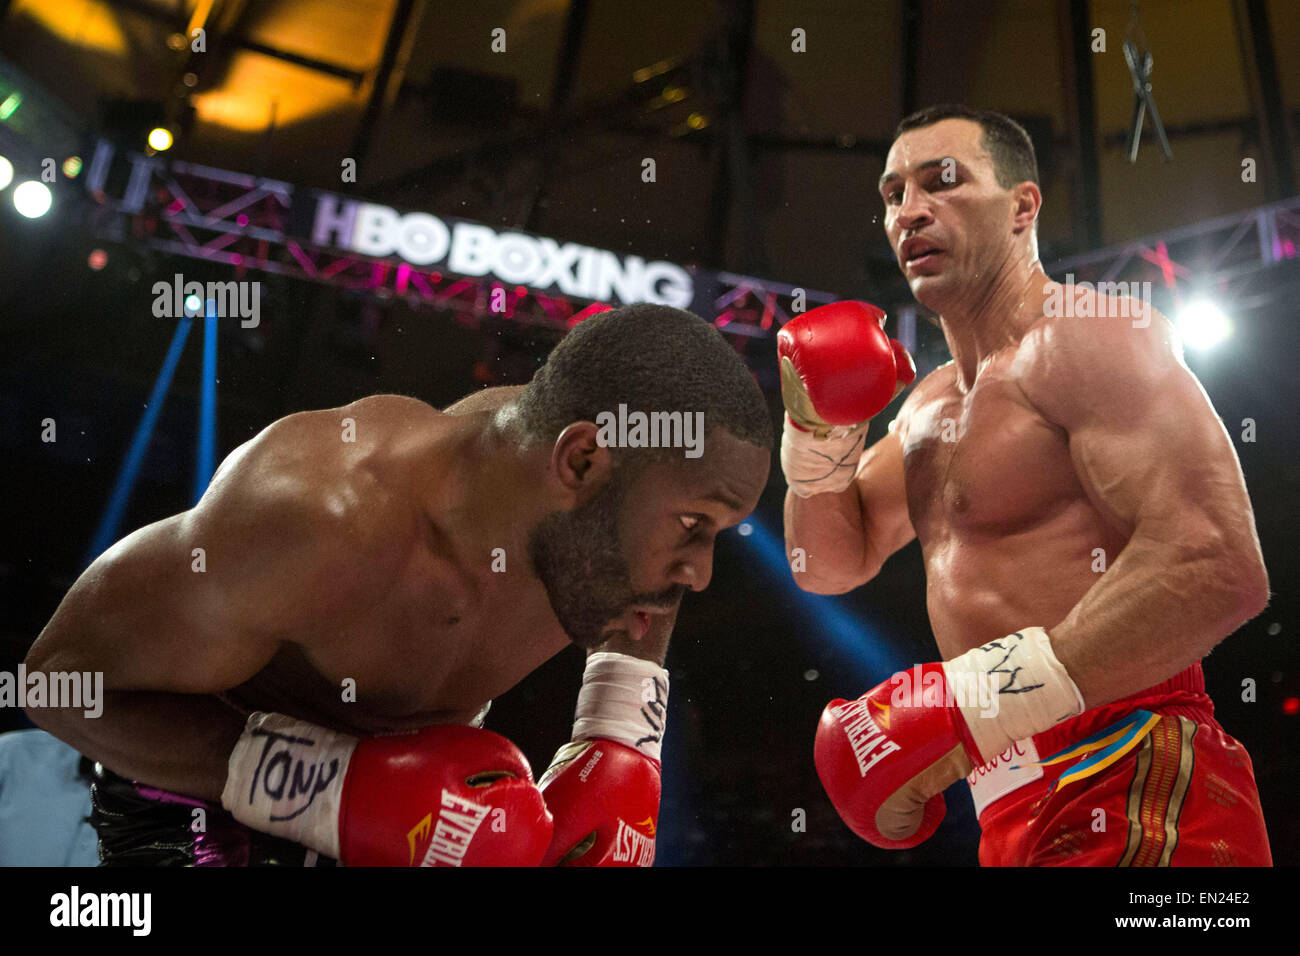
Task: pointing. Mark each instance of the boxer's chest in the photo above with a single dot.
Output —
(435, 648)
(983, 462)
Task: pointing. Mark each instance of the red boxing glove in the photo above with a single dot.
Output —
(440, 796)
(605, 799)
(838, 370)
(837, 366)
(904, 365)
(886, 758)
(443, 796)
(885, 764)
(603, 786)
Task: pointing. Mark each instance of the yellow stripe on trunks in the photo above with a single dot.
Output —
(1106, 747)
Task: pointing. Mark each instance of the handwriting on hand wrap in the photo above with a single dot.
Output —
(655, 712)
(278, 769)
(1012, 674)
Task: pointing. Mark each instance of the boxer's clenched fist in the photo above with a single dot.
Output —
(886, 758)
(605, 797)
(440, 796)
(838, 370)
(885, 764)
(603, 786)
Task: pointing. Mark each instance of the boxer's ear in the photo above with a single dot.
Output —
(579, 460)
(1028, 199)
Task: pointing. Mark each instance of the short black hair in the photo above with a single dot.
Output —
(1003, 139)
(651, 358)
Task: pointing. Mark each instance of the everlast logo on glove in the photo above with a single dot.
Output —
(865, 735)
(458, 821)
(632, 846)
(355, 799)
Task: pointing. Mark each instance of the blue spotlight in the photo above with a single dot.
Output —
(207, 437)
(106, 533)
(826, 621)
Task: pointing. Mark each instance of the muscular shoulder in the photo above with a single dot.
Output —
(485, 400)
(1113, 360)
(318, 492)
(942, 380)
(339, 460)
(399, 412)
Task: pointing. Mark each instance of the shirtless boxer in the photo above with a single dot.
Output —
(1085, 529)
(428, 564)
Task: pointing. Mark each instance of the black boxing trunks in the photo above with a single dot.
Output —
(139, 825)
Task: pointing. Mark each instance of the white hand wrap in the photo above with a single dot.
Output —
(624, 699)
(1027, 688)
(285, 778)
(815, 465)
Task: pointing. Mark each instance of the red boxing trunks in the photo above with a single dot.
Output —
(1151, 780)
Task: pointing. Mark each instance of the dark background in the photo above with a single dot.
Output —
(777, 182)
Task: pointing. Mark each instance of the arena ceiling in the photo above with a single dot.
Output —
(769, 153)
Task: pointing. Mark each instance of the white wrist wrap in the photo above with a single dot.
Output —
(815, 465)
(285, 778)
(1011, 689)
(624, 699)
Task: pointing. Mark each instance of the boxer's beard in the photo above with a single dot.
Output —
(579, 559)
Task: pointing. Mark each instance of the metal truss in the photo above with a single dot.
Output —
(1228, 257)
(246, 222)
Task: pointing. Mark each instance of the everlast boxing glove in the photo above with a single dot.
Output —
(838, 370)
(603, 786)
(439, 796)
(886, 758)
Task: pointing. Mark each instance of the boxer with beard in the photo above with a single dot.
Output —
(302, 661)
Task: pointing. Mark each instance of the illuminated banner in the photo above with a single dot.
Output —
(472, 249)
(268, 225)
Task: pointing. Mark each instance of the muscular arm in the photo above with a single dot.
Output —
(847, 536)
(168, 633)
(1153, 457)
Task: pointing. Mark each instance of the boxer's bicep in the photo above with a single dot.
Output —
(200, 602)
(1148, 448)
(151, 615)
(141, 616)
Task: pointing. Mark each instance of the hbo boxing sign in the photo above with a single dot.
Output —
(471, 249)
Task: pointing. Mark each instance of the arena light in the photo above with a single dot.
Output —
(864, 650)
(160, 138)
(32, 199)
(1203, 325)
(6, 172)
